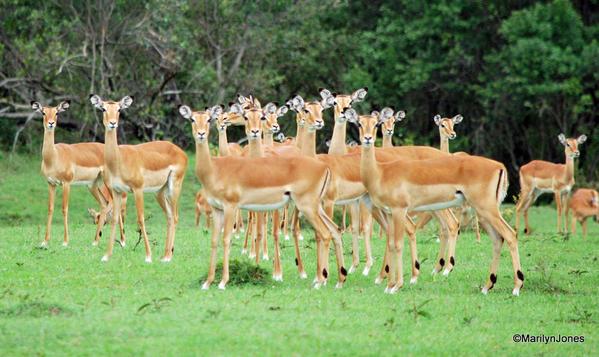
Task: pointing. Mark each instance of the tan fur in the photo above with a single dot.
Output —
(583, 204)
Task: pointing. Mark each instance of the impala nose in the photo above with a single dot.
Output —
(367, 140)
(452, 136)
(201, 135)
(319, 124)
(275, 128)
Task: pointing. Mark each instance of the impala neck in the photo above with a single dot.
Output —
(569, 173)
(299, 136)
(256, 149)
(223, 144)
(268, 139)
(309, 143)
(444, 145)
(112, 154)
(337, 146)
(369, 170)
(387, 142)
(49, 153)
(204, 165)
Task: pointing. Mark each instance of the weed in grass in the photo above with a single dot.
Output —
(154, 306)
(416, 309)
(35, 309)
(547, 283)
(242, 273)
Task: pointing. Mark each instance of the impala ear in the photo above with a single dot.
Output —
(353, 143)
(126, 102)
(236, 109)
(63, 106)
(270, 108)
(36, 106)
(281, 136)
(399, 116)
(185, 111)
(298, 101)
(437, 119)
(457, 119)
(215, 111)
(386, 114)
(96, 100)
(241, 99)
(359, 95)
(581, 139)
(328, 102)
(351, 115)
(375, 113)
(324, 93)
(562, 139)
(282, 111)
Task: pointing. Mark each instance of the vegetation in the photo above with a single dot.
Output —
(520, 72)
(64, 301)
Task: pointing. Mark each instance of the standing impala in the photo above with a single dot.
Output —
(583, 204)
(157, 167)
(538, 177)
(65, 165)
(259, 184)
(401, 186)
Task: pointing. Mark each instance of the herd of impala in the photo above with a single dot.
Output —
(389, 185)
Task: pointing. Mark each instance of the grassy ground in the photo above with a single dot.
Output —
(59, 300)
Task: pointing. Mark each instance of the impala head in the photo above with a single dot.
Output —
(111, 110)
(343, 101)
(571, 144)
(594, 199)
(248, 102)
(272, 114)
(296, 103)
(446, 125)
(201, 120)
(223, 122)
(50, 113)
(387, 127)
(368, 123)
(253, 118)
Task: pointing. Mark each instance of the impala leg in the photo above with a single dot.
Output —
(276, 223)
(139, 206)
(240, 221)
(66, 190)
(343, 221)
(51, 198)
(565, 198)
(497, 244)
(410, 228)
(198, 214)
(298, 255)
(477, 227)
(116, 212)
(383, 219)
(122, 218)
(218, 218)
(95, 191)
(584, 226)
(167, 208)
(285, 221)
(229, 213)
(208, 219)
(443, 225)
(369, 223)
(423, 220)
(264, 234)
(392, 255)
(248, 233)
(277, 272)
(259, 235)
(574, 225)
(453, 227)
(558, 205)
(354, 217)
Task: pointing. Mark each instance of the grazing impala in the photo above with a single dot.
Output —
(157, 167)
(538, 177)
(583, 204)
(258, 184)
(65, 165)
(421, 185)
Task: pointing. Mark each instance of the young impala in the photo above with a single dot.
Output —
(157, 167)
(583, 204)
(538, 177)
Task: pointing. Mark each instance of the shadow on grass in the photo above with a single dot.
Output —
(242, 273)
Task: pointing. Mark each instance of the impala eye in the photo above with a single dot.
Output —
(443, 125)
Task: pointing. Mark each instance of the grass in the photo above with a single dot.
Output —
(64, 301)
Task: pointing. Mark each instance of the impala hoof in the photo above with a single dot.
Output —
(484, 291)
(435, 272)
(438, 240)
(286, 236)
(277, 277)
(300, 237)
(222, 285)
(339, 285)
(351, 269)
(387, 290)
(236, 236)
(122, 243)
(317, 285)
(244, 251)
(265, 257)
(64, 244)
(303, 276)
(105, 258)
(94, 244)
(366, 271)
(165, 259)
(414, 280)
(516, 292)
(251, 256)
(205, 286)
(446, 272)
(44, 244)
(378, 280)
(148, 259)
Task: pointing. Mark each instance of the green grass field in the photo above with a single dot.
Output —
(64, 301)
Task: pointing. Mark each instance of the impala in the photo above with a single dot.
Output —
(258, 184)
(538, 177)
(401, 186)
(65, 165)
(583, 204)
(157, 167)
(202, 206)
